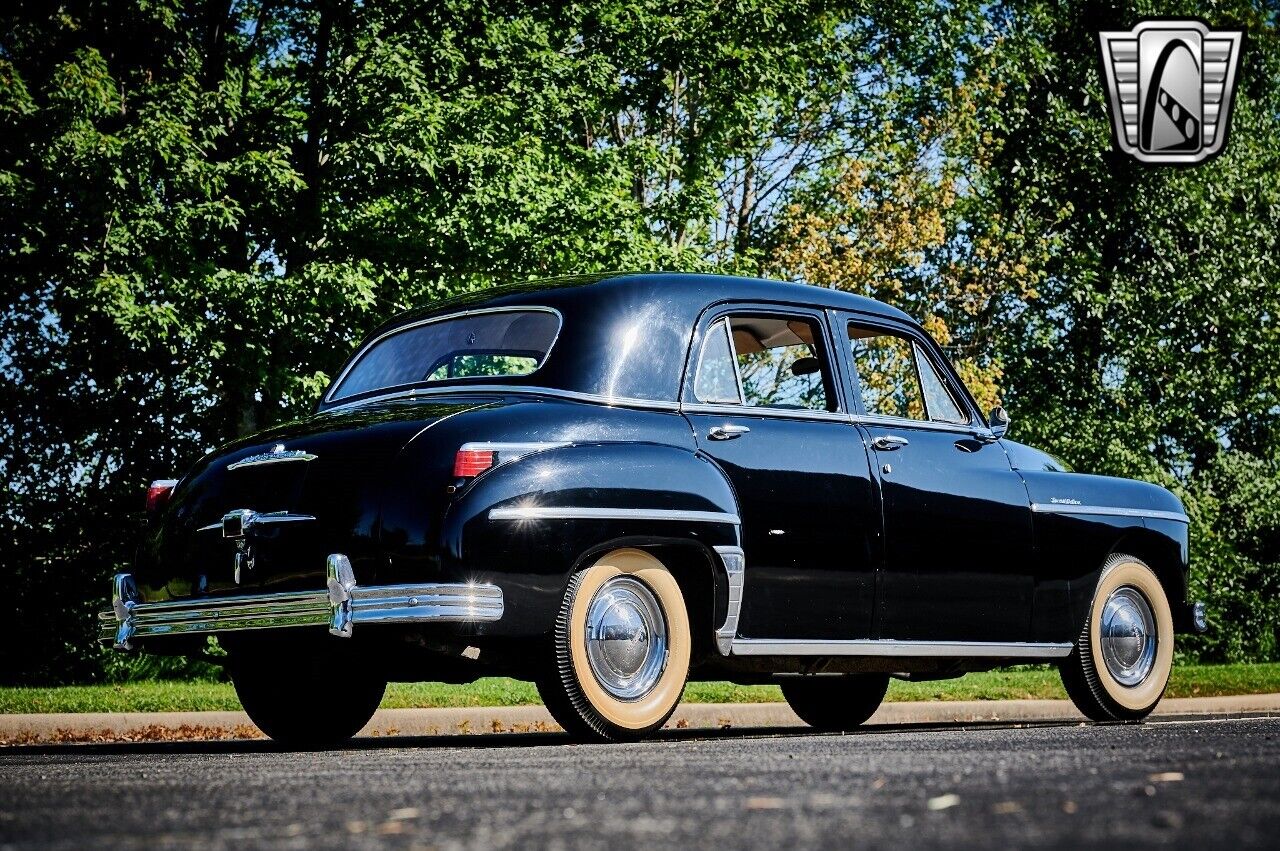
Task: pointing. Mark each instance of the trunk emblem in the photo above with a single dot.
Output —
(236, 523)
(277, 455)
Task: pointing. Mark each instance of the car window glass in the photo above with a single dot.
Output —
(716, 379)
(471, 366)
(938, 402)
(478, 345)
(887, 373)
(780, 362)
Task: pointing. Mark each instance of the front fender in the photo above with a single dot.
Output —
(1079, 520)
(527, 524)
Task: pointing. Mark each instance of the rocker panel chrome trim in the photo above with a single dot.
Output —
(890, 647)
(584, 513)
(1107, 511)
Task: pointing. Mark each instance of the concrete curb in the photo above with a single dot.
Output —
(161, 726)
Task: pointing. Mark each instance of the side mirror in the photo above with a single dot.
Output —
(998, 422)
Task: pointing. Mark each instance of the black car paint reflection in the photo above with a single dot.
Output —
(957, 534)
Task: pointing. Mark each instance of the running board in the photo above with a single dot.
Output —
(890, 647)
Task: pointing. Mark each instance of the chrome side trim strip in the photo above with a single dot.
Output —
(1107, 511)
(760, 411)
(400, 329)
(584, 513)
(339, 607)
(522, 389)
(512, 451)
(890, 647)
(735, 563)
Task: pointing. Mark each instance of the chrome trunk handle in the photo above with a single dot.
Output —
(728, 431)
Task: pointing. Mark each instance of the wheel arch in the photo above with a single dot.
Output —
(664, 499)
(1161, 551)
(697, 569)
(1162, 555)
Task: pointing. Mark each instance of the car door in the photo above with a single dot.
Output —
(957, 520)
(764, 403)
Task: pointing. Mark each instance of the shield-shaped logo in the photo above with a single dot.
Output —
(1170, 85)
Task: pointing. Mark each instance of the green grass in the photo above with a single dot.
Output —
(1028, 682)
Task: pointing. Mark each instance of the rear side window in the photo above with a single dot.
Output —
(897, 379)
(494, 344)
(765, 362)
(717, 376)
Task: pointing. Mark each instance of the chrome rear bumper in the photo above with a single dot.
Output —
(339, 607)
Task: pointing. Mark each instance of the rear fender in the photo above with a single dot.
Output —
(528, 524)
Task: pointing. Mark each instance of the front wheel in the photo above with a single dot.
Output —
(621, 649)
(1121, 662)
(306, 699)
(835, 703)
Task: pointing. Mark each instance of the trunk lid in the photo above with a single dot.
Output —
(316, 486)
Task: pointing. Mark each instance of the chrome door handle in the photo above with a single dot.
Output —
(728, 431)
(889, 442)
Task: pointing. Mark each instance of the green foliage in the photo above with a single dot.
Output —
(1027, 682)
(1236, 552)
(1151, 346)
(205, 204)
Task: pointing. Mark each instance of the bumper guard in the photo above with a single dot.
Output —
(341, 606)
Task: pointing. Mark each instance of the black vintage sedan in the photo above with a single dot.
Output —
(611, 485)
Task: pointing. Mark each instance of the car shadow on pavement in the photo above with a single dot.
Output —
(490, 740)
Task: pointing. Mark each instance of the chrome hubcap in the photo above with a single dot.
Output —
(1128, 636)
(626, 638)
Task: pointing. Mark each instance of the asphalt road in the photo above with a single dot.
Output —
(1204, 783)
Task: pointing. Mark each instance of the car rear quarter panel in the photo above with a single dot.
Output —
(615, 458)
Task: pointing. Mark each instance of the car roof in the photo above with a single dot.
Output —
(623, 336)
(691, 289)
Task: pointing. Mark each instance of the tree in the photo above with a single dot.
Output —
(207, 204)
(1150, 347)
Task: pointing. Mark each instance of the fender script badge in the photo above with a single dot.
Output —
(1056, 501)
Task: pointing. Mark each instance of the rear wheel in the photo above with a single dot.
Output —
(307, 699)
(1120, 665)
(621, 649)
(835, 703)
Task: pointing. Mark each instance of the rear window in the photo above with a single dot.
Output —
(494, 344)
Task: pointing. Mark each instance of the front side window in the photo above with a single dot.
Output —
(937, 399)
(897, 379)
(495, 344)
(777, 363)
